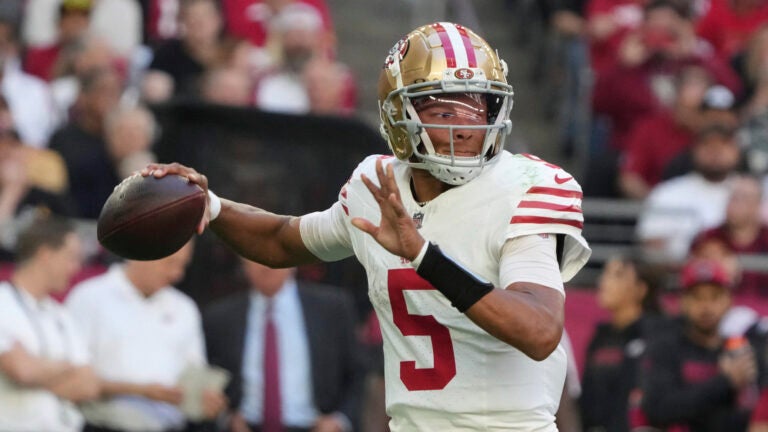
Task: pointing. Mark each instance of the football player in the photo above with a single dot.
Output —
(465, 245)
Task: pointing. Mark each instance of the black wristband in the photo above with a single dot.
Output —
(456, 284)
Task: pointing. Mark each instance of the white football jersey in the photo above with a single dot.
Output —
(442, 371)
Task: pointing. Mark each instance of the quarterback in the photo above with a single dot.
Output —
(465, 245)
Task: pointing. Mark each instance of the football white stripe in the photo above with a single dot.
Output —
(458, 45)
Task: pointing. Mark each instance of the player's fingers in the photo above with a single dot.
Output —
(147, 170)
(382, 177)
(391, 183)
(397, 206)
(201, 226)
(372, 188)
(365, 225)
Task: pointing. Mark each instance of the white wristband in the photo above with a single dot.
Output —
(215, 204)
(417, 261)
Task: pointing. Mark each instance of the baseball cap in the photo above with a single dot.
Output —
(699, 271)
(718, 97)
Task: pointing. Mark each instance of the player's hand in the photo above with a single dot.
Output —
(161, 170)
(214, 403)
(740, 368)
(397, 232)
(328, 423)
(161, 393)
(237, 423)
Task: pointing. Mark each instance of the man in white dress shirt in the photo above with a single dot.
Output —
(142, 333)
(43, 358)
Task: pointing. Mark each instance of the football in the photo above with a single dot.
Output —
(146, 218)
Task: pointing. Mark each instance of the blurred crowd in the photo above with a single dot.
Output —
(666, 101)
(77, 75)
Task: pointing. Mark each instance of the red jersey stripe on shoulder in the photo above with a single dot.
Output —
(450, 56)
(384, 157)
(564, 193)
(549, 206)
(546, 220)
(346, 210)
(471, 59)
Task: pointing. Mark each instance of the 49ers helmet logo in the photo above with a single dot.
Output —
(464, 73)
(397, 52)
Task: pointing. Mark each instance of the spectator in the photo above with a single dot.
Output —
(628, 289)
(690, 379)
(641, 81)
(717, 107)
(77, 61)
(130, 133)
(317, 385)
(227, 86)
(607, 23)
(743, 231)
(249, 19)
(662, 137)
(753, 65)
(82, 142)
(306, 74)
(44, 368)
(119, 23)
(330, 87)
(142, 334)
(28, 97)
(729, 24)
(677, 209)
(179, 64)
(73, 20)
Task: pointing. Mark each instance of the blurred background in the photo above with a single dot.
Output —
(658, 107)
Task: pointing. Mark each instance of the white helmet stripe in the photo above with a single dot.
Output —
(457, 43)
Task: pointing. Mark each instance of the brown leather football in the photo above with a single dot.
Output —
(147, 218)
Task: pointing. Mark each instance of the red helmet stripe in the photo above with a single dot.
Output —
(471, 59)
(450, 55)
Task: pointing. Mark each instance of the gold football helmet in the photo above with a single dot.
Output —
(434, 60)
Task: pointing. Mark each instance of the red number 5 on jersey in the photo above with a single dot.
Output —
(444, 369)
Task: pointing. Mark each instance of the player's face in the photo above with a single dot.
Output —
(705, 305)
(460, 109)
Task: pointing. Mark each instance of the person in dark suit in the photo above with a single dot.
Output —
(304, 330)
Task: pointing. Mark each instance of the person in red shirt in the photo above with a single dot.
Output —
(608, 22)
(248, 19)
(641, 81)
(74, 18)
(661, 137)
(729, 24)
(743, 232)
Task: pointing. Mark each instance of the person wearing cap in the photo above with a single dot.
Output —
(693, 377)
(678, 209)
(73, 20)
(658, 138)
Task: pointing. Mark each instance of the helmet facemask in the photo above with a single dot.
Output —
(453, 168)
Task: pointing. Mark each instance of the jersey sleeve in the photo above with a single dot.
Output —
(326, 233)
(553, 206)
